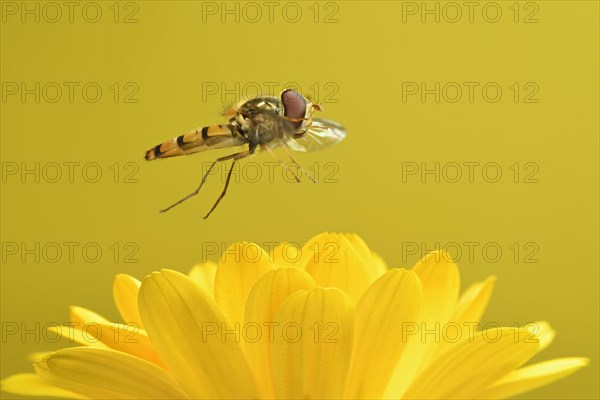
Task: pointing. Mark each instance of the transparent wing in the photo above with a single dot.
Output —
(322, 133)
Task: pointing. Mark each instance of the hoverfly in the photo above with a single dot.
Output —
(262, 123)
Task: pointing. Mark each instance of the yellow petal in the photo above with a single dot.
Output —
(379, 266)
(107, 374)
(263, 304)
(468, 311)
(240, 267)
(376, 265)
(474, 301)
(359, 244)
(532, 377)
(204, 275)
(191, 335)
(381, 314)
(468, 367)
(125, 294)
(335, 263)
(288, 254)
(80, 316)
(37, 356)
(543, 331)
(33, 385)
(312, 344)
(441, 283)
(129, 339)
(87, 336)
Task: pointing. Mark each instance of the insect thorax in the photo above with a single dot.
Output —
(259, 121)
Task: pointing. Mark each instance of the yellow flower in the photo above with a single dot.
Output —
(328, 320)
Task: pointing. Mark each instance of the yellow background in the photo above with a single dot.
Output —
(170, 54)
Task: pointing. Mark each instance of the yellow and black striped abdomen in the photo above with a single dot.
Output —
(201, 139)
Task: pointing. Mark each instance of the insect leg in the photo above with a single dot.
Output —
(300, 166)
(284, 166)
(237, 157)
(195, 192)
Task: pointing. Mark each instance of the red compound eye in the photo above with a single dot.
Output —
(294, 106)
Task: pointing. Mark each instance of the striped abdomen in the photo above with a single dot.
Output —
(201, 139)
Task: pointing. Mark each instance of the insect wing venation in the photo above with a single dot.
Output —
(322, 134)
